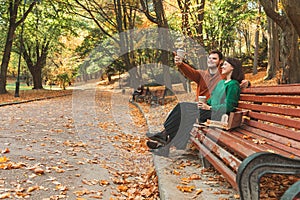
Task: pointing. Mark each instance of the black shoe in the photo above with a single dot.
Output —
(153, 145)
(161, 137)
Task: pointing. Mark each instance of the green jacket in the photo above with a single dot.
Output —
(224, 98)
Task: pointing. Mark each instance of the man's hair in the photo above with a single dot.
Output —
(217, 52)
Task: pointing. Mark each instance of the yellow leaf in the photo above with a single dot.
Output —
(5, 195)
(184, 188)
(246, 136)
(104, 182)
(33, 188)
(39, 171)
(176, 172)
(122, 188)
(3, 159)
(195, 177)
(199, 191)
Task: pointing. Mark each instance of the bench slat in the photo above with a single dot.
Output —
(236, 144)
(292, 123)
(240, 143)
(290, 89)
(255, 136)
(270, 109)
(278, 138)
(288, 100)
(277, 130)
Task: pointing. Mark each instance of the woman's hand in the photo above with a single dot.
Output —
(204, 106)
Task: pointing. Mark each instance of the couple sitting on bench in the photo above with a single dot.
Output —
(220, 84)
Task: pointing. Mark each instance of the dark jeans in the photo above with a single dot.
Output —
(180, 120)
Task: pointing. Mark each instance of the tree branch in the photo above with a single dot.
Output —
(147, 13)
(278, 19)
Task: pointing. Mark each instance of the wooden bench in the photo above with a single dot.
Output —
(161, 95)
(144, 97)
(266, 142)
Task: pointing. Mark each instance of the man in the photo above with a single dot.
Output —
(180, 121)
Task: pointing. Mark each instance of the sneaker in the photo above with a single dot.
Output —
(161, 137)
(153, 145)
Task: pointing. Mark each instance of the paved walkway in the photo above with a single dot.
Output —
(67, 148)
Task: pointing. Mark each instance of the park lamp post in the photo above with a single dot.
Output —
(20, 55)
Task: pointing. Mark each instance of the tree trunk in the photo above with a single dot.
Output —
(36, 72)
(290, 47)
(292, 9)
(6, 56)
(290, 56)
(13, 10)
(254, 71)
(164, 41)
(36, 68)
(13, 24)
(273, 50)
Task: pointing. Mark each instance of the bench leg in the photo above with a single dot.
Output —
(204, 162)
(255, 166)
(292, 193)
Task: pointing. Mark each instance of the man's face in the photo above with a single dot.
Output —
(213, 60)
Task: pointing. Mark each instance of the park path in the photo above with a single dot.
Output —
(85, 145)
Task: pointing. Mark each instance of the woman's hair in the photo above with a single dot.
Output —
(237, 73)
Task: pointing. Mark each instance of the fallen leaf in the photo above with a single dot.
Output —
(122, 188)
(199, 191)
(4, 159)
(39, 171)
(33, 188)
(185, 188)
(246, 136)
(5, 195)
(5, 151)
(175, 172)
(104, 182)
(195, 177)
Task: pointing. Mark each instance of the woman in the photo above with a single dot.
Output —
(224, 98)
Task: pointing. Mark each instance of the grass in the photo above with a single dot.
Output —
(12, 86)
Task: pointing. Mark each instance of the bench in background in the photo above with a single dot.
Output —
(267, 142)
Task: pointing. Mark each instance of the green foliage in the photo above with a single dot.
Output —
(63, 80)
(222, 18)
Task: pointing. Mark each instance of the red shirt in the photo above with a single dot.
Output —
(205, 81)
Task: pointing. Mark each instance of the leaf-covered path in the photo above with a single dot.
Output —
(82, 146)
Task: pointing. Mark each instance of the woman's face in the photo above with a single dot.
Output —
(226, 68)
